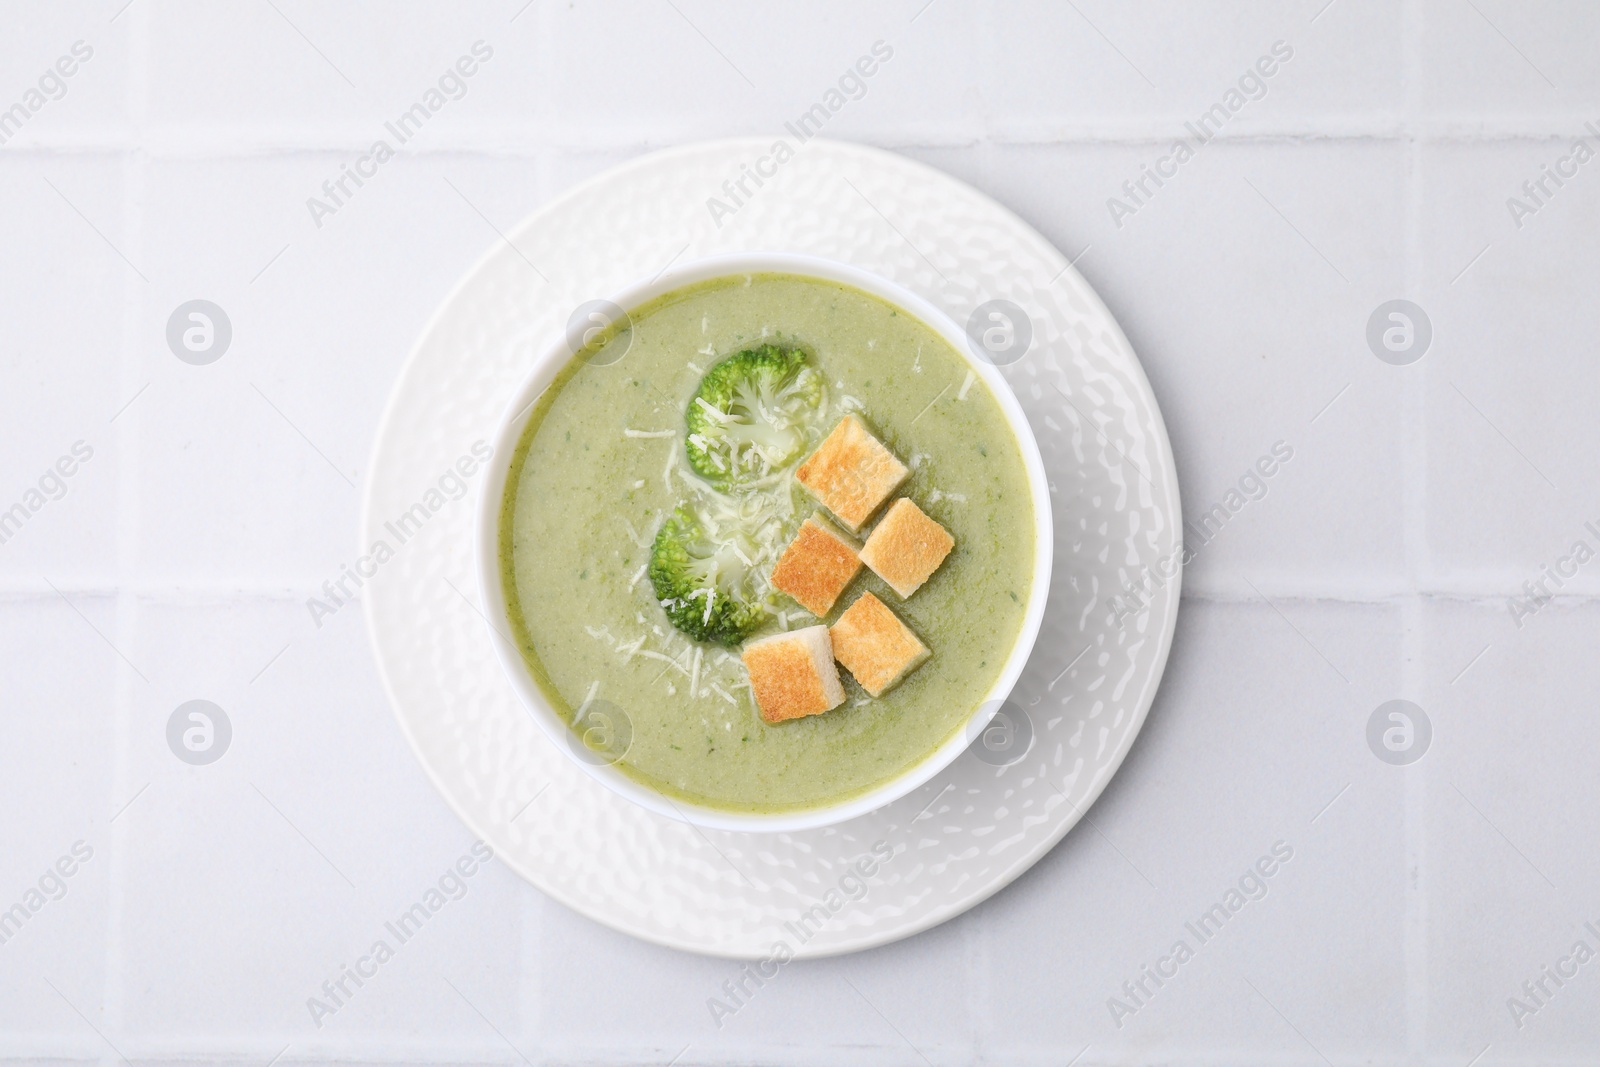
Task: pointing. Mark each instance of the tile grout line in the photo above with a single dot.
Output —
(127, 523)
(530, 140)
(1412, 676)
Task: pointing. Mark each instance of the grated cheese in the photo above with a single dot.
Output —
(671, 662)
(714, 411)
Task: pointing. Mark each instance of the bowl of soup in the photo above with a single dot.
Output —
(764, 543)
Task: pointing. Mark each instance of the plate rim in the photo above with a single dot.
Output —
(1167, 623)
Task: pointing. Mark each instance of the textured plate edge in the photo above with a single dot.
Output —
(1168, 623)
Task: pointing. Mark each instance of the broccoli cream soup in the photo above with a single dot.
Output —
(652, 497)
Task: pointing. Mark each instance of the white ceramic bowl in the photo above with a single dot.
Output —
(509, 432)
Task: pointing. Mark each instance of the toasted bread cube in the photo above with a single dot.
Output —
(851, 473)
(792, 674)
(817, 566)
(906, 547)
(875, 646)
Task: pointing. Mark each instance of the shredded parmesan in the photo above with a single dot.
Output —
(714, 411)
(635, 536)
(965, 385)
(647, 433)
(723, 693)
(637, 575)
(671, 662)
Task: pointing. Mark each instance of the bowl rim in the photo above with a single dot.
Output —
(556, 355)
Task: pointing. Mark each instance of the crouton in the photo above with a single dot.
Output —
(875, 646)
(792, 674)
(851, 473)
(817, 566)
(906, 547)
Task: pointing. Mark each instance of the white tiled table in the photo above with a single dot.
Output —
(1378, 565)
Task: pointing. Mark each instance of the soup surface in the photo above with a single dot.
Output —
(602, 464)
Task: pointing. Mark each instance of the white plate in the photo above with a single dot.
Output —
(972, 828)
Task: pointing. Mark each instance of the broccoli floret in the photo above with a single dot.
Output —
(752, 415)
(706, 584)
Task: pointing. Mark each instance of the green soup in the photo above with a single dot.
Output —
(601, 465)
